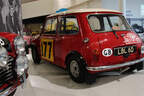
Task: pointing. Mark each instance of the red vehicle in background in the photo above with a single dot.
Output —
(27, 39)
(89, 41)
(13, 63)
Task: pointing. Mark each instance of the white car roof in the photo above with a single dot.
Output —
(84, 10)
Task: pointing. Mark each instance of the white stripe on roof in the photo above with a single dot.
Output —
(84, 10)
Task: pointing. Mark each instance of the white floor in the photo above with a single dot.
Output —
(48, 80)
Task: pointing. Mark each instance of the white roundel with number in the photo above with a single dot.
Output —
(107, 52)
(2, 42)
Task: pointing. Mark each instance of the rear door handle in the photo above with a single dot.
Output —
(59, 38)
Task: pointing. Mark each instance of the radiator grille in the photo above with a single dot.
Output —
(7, 74)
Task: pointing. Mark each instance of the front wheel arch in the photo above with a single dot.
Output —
(88, 78)
(75, 53)
(35, 55)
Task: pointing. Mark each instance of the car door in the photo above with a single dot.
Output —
(47, 39)
(68, 38)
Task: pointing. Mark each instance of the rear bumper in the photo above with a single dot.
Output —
(12, 88)
(103, 68)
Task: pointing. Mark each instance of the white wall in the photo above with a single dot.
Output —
(133, 8)
(95, 4)
(88, 4)
(44, 7)
(110, 4)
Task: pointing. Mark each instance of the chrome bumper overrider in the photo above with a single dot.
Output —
(102, 68)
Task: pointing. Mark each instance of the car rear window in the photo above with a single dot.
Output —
(104, 23)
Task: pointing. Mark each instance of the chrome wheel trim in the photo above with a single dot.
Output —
(74, 68)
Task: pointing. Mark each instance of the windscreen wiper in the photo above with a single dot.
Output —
(114, 32)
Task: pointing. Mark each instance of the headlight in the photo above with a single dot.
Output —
(22, 60)
(3, 57)
(22, 64)
(19, 45)
(142, 49)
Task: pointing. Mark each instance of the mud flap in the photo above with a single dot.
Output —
(137, 67)
(90, 78)
(140, 66)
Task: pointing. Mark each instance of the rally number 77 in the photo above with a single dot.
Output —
(47, 49)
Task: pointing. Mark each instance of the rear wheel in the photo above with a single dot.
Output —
(35, 55)
(76, 69)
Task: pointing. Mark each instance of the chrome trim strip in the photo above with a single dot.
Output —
(7, 91)
(102, 68)
(12, 88)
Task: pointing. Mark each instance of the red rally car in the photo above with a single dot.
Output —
(13, 63)
(88, 41)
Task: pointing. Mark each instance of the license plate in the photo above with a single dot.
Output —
(124, 50)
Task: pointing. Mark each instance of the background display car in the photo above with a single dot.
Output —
(13, 60)
(139, 30)
(27, 39)
(87, 42)
(13, 63)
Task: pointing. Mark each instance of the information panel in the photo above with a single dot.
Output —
(10, 16)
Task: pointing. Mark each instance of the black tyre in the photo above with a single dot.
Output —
(138, 66)
(35, 55)
(76, 69)
(12, 94)
(27, 49)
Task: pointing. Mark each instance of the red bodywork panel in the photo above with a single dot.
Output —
(91, 51)
(27, 39)
(10, 37)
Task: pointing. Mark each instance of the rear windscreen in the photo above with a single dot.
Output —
(104, 23)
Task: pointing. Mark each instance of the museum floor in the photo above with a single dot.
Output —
(49, 80)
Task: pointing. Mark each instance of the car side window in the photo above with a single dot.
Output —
(50, 26)
(94, 23)
(69, 25)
